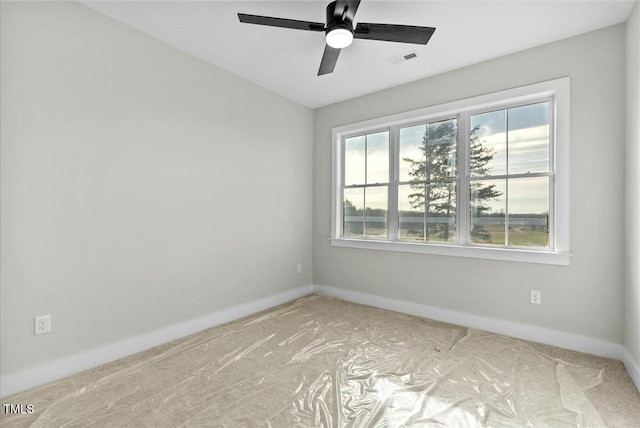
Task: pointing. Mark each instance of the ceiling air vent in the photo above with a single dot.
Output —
(402, 58)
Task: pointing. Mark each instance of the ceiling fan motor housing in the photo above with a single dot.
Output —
(337, 19)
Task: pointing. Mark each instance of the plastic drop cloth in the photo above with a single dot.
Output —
(320, 362)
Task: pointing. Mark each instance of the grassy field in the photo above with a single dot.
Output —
(518, 236)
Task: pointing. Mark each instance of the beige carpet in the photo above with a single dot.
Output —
(324, 362)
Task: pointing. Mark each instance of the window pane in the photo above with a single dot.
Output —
(354, 160)
(441, 149)
(441, 212)
(376, 212)
(529, 138)
(411, 212)
(488, 144)
(352, 212)
(440, 221)
(488, 209)
(378, 158)
(529, 212)
(412, 153)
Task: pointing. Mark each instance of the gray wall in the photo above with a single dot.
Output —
(584, 298)
(138, 191)
(141, 186)
(632, 191)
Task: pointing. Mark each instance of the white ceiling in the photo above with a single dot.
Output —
(286, 61)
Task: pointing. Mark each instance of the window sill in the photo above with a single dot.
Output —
(491, 253)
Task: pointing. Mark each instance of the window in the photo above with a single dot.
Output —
(427, 181)
(366, 184)
(483, 177)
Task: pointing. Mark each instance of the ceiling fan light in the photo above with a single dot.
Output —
(339, 38)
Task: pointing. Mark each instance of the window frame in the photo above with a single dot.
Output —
(556, 91)
(465, 139)
(365, 185)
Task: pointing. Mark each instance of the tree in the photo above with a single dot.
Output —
(372, 221)
(433, 180)
(352, 227)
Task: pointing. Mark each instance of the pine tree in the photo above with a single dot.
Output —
(433, 181)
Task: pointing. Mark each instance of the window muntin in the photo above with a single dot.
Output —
(550, 184)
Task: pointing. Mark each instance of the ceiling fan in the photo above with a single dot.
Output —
(340, 33)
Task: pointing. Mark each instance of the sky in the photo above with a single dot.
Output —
(524, 130)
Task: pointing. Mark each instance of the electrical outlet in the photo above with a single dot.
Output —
(536, 297)
(299, 268)
(42, 324)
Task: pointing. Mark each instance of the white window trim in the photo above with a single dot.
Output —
(558, 89)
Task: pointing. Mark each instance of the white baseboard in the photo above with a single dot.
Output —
(16, 382)
(632, 367)
(547, 336)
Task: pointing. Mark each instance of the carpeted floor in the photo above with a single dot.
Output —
(324, 362)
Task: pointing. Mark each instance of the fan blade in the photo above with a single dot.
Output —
(351, 8)
(329, 60)
(280, 22)
(394, 33)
